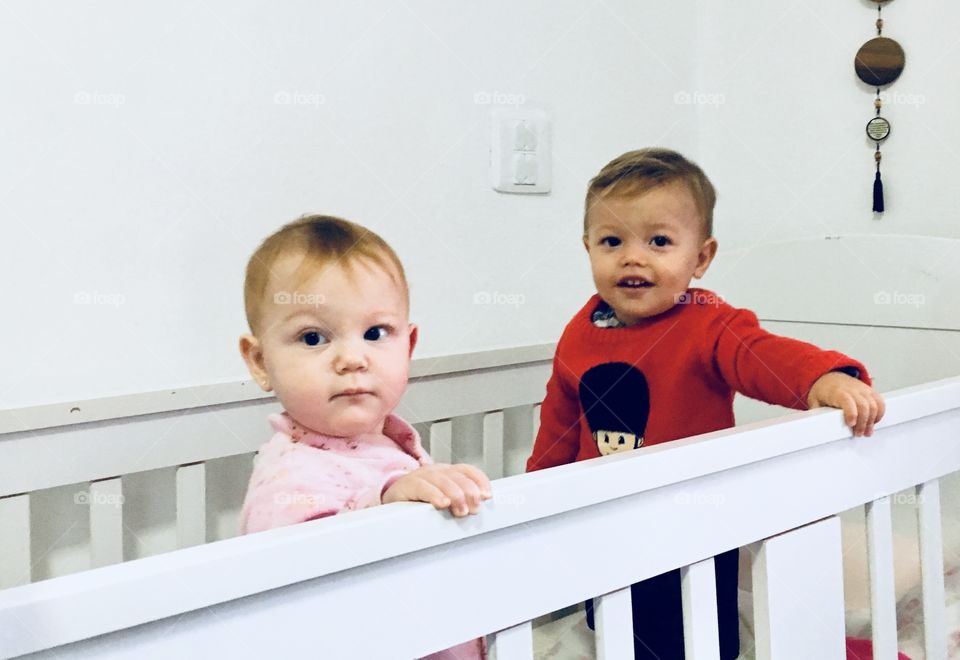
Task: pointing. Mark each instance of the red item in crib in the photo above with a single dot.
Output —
(862, 649)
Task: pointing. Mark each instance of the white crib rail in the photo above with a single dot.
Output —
(454, 400)
(430, 581)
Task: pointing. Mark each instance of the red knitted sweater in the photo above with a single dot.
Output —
(668, 377)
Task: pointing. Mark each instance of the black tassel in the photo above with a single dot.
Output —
(878, 193)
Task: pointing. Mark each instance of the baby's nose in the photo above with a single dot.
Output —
(635, 255)
(350, 356)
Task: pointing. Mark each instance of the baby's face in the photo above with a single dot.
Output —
(336, 347)
(644, 250)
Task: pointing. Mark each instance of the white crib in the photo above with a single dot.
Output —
(403, 580)
(546, 541)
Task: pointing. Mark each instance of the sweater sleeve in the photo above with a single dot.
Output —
(771, 368)
(558, 439)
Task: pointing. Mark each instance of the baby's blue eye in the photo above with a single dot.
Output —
(376, 333)
(610, 241)
(313, 338)
(660, 241)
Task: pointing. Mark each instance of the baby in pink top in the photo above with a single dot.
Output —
(327, 304)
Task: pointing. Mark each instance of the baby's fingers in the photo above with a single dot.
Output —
(850, 410)
(875, 403)
(430, 493)
(472, 494)
(477, 476)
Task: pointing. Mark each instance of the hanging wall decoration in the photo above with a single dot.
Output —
(879, 62)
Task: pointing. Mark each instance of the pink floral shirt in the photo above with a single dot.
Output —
(302, 475)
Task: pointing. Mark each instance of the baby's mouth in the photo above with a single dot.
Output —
(633, 283)
(351, 392)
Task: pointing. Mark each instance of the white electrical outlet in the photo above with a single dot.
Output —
(520, 151)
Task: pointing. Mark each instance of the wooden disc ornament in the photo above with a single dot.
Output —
(878, 63)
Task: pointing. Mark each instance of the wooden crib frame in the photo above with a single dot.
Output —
(403, 580)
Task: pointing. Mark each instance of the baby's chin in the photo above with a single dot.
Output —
(338, 428)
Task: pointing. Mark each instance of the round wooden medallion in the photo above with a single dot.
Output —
(879, 62)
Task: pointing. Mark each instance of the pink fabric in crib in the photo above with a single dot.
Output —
(302, 475)
(467, 651)
(862, 649)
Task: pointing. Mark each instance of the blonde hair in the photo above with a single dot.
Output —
(322, 240)
(637, 172)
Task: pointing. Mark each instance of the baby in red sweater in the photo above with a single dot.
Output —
(649, 360)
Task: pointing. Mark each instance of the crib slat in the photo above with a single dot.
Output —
(105, 499)
(191, 505)
(441, 441)
(518, 434)
(931, 568)
(15, 564)
(614, 623)
(883, 602)
(493, 444)
(798, 593)
(701, 633)
(514, 643)
(468, 439)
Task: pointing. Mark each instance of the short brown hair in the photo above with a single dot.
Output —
(636, 172)
(321, 239)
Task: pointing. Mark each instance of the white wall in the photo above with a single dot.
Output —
(786, 145)
(146, 155)
(782, 117)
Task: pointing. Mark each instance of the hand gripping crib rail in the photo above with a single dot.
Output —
(401, 581)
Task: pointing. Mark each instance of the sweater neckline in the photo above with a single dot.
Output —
(643, 324)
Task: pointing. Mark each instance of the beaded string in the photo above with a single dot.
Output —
(877, 156)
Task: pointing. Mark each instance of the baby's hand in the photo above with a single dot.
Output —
(460, 487)
(861, 404)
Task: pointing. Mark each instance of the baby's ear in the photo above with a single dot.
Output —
(252, 354)
(708, 250)
(414, 333)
